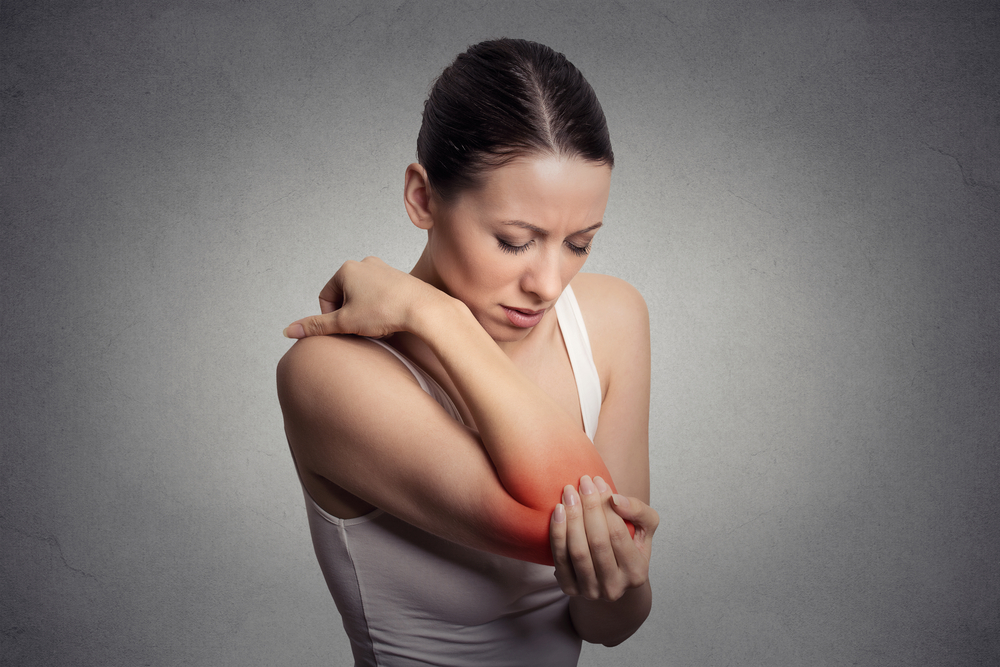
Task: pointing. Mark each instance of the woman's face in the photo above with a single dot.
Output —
(509, 248)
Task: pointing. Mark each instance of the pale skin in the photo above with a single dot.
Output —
(496, 482)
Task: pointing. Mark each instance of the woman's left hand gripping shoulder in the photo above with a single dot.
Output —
(594, 552)
(367, 298)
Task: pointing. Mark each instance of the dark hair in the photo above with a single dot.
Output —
(505, 99)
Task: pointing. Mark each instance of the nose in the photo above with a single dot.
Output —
(544, 277)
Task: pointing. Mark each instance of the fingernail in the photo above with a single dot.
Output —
(559, 515)
(600, 484)
(586, 486)
(569, 496)
(294, 331)
(619, 500)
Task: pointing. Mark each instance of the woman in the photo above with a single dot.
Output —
(451, 450)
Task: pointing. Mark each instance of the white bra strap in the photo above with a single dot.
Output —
(426, 382)
(581, 357)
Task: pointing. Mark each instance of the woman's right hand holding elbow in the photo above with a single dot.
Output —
(595, 555)
(599, 564)
(366, 298)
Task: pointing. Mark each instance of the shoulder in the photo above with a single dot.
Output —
(617, 321)
(334, 365)
(306, 358)
(603, 296)
(612, 309)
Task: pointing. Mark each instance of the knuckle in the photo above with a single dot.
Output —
(578, 554)
(639, 569)
(312, 326)
(618, 531)
(567, 585)
(600, 548)
(619, 537)
(636, 580)
(635, 574)
(613, 587)
(560, 557)
(613, 593)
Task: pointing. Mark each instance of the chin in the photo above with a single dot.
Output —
(498, 327)
(511, 336)
(506, 334)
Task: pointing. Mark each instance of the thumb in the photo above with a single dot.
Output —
(315, 325)
(641, 515)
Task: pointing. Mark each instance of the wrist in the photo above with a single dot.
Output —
(433, 311)
(611, 623)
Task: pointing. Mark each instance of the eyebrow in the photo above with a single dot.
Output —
(542, 232)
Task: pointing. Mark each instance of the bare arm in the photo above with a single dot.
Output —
(494, 490)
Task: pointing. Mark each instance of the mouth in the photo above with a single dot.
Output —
(522, 317)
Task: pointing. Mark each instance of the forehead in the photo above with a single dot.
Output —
(542, 189)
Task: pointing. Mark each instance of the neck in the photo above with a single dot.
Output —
(425, 270)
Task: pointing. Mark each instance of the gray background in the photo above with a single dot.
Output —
(806, 194)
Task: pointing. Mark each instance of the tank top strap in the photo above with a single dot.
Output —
(426, 382)
(581, 358)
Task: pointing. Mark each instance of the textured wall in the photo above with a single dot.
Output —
(807, 194)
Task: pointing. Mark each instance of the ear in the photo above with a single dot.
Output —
(417, 196)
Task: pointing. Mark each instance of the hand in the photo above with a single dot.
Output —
(367, 298)
(594, 554)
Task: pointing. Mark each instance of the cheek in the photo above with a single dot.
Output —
(487, 276)
(476, 265)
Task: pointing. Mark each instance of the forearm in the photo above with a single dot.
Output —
(535, 445)
(611, 623)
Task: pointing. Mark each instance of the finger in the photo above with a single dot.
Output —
(619, 530)
(560, 556)
(315, 325)
(599, 538)
(645, 520)
(577, 547)
(642, 516)
(631, 556)
(331, 297)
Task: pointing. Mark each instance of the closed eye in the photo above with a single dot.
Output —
(511, 248)
(578, 250)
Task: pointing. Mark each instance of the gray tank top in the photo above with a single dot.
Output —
(409, 598)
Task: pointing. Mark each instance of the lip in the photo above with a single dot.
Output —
(522, 317)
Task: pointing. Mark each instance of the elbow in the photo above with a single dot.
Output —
(531, 545)
(618, 639)
(521, 532)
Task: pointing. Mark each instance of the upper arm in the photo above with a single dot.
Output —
(618, 326)
(355, 416)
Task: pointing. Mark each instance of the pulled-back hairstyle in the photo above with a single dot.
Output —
(505, 99)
